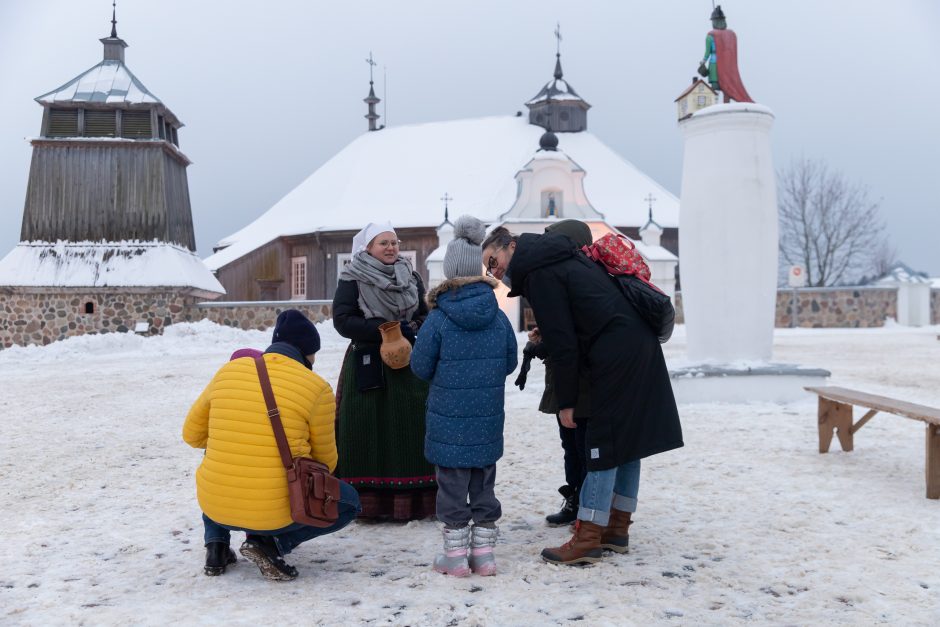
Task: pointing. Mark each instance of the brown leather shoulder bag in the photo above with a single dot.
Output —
(313, 491)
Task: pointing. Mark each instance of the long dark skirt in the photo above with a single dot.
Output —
(380, 441)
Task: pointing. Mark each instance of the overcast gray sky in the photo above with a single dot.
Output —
(271, 90)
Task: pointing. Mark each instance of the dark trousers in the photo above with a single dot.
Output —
(465, 494)
(572, 441)
(289, 537)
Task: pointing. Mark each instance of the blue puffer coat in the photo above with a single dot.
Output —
(465, 349)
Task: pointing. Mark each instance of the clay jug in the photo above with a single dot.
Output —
(396, 349)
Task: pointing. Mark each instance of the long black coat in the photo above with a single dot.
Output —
(585, 321)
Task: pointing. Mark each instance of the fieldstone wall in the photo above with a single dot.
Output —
(260, 315)
(836, 307)
(33, 316)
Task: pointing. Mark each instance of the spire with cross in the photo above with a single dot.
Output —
(114, 19)
(446, 198)
(372, 99)
(558, 72)
(650, 199)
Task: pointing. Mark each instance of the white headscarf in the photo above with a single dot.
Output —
(366, 235)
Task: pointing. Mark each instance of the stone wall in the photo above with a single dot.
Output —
(836, 307)
(33, 316)
(259, 315)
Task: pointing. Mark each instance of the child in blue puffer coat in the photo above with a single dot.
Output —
(465, 349)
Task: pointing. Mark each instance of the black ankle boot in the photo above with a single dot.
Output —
(218, 556)
(569, 509)
(263, 551)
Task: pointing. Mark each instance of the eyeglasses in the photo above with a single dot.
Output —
(389, 243)
(491, 263)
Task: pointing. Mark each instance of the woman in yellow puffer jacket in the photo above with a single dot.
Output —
(241, 483)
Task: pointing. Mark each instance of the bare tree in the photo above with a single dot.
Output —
(828, 224)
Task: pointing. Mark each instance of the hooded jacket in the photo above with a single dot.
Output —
(465, 349)
(587, 323)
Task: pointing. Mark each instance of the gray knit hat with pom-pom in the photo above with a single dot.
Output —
(464, 257)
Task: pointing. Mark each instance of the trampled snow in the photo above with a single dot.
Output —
(746, 524)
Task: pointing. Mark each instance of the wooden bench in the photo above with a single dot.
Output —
(835, 414)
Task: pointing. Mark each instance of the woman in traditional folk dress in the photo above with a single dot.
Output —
(380, 410)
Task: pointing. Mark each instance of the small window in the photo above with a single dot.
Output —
(63, 123)
(161, 127)
(564, 116)
(89, 307)
(176, 139)
(100, 123)
(136, 125)
(298, 278)
(700, 101)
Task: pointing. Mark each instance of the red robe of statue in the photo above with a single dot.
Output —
(726, 51)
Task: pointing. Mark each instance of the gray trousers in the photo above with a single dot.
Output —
(455, 485)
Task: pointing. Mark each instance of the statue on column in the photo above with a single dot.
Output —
(721, 57)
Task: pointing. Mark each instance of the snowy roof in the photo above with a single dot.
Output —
(105, 264)
(398, 173)
(109, 82)
(902, 273)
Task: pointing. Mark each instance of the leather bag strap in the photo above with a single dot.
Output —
(274, 414)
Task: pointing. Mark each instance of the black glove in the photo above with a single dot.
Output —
(408, 331)
(524, 370)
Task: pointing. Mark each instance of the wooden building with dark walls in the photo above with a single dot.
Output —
(107, 239)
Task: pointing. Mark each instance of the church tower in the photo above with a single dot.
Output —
(107, 239)
(558, 107)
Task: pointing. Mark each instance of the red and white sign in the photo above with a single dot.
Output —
(797, 276)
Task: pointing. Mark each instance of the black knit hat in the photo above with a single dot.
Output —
(577, 231)
(293, 327)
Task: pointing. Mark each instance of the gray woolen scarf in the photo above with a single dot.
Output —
(385, 291)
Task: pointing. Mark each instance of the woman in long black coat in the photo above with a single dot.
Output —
(586, 322)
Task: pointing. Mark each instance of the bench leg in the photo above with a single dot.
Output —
(933, 462)
(834, 416)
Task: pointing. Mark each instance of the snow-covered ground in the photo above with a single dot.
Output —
(746, 524)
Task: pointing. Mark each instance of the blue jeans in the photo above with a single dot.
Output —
(615, 488)
(289, 537)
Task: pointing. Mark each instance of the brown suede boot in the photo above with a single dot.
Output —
(584, 547)
(616, 536)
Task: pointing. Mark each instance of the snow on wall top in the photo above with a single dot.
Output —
(105, 264)
(400, 173)
(109, 82)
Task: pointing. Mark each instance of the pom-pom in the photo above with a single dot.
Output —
(469, 228)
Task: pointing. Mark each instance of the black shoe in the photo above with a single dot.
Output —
(569, 509)
(262, 551)
(218, 556)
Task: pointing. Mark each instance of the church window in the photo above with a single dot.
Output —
(100, 123)
(63, 123)
(89, 307)
(298, 278)
(136, 125)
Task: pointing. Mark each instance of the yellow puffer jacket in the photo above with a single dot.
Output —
(241, 481)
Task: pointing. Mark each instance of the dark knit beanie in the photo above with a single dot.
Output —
(577, 231)
(464, 257)
(293, 327)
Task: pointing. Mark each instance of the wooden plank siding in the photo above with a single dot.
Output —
(272, 262)
(87, 190)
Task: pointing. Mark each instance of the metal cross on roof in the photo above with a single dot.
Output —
(446, 198)
(114, 19)
(650, 199)
(372, 64)
(558, 37)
